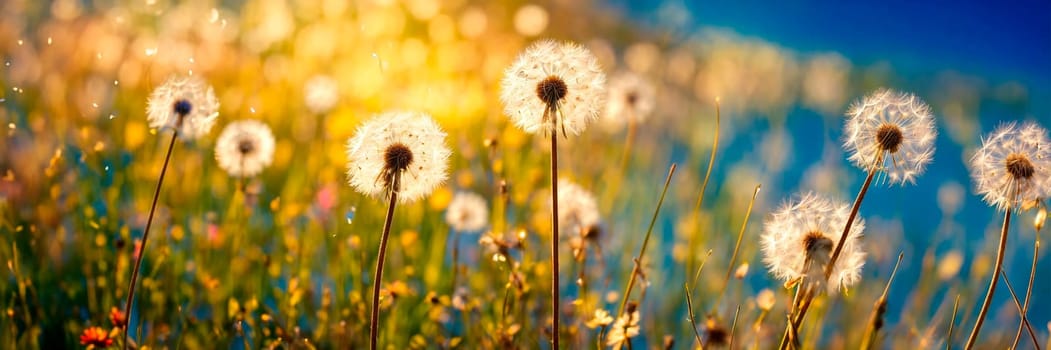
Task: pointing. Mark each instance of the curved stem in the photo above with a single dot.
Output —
(145, 237)
(850, 219)
(952, 323)
(992, 282)
(1028, 293)
(1021, 312)
(555, 314)
(876, 318)
(737, 247)
(377, 280)
(645, 242)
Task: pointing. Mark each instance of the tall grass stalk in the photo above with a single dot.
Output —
(878, 310)
(645, 242)
(1028, 291)
(1021, 311)
(737, 247)
(146, 235)
(952, 323)
(704, 184)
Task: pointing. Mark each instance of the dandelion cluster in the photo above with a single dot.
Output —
(245, 148)
(1013, 166)
(398, 151)
(799, 236)
(553, 86)
(185, 104)
(891, 132)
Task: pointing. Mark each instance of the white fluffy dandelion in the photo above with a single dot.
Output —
(186, 104)
(891, 132)
(1013, 166)
(632, 98)
(320, 94)
(799, 237)
(400, 151)
(553, 86)
(245, 148)
(577, 209)
(467, 212)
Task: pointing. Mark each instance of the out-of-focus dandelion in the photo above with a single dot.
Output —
(577, 209)
(320, 94)
(631, 100)
(798, 239)
(1013, 166)
(766, 299)
(95, 338)
(625, 327)
(553, 86)
(891, 132)
(188, 106)
(399, 155)
(184, 104)
(1010, 170)
(467, 212)
(245, 148)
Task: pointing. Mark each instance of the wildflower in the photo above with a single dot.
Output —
(95, 338)
(553, 85)
(320, 94)
(244, 148)
(117, 318)
(577, 209)
(625, 328)
(799, 237)
(631, 99)
(467, 212)
(185, 104)
(891, 132)
(766, 299)
(601, 319)
(398, 151)
(1013, 166)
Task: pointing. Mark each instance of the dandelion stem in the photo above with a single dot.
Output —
(737, 246)
(645, 242)
(1021, 312)
(555, 314)
(1028, 292)
(876, 318)
(377, 281)
(146, 235)
(850, 219)
(733, 327)
(992, 282)
(952, 323)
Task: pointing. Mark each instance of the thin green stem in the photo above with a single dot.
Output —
(876, 318)
(1021, 312)
(1028, 291)
(992, 282)
(952, 323)
(645, 242)
(737, 246)
(146, 236)
(693, 320)
(704, 184)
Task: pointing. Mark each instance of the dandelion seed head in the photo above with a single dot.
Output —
(320, 94)
(632, 98)
(577, 209)
(467, 212)
(808, 227)
(409, 144)
(893, 132)
(548, 77)
(186, 103)
(245, 148)
(1013, 166)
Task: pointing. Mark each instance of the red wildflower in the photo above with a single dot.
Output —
(95, 337)
(117, 317)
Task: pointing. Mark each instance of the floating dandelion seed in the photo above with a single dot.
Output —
(799, 237)
(467, 212)
(320, 94)
(577, 209)
(1013, 166)
(891, 132)
(409, 143)
(631, 99)
(553, 86)
(245, 148)
(186, 104)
